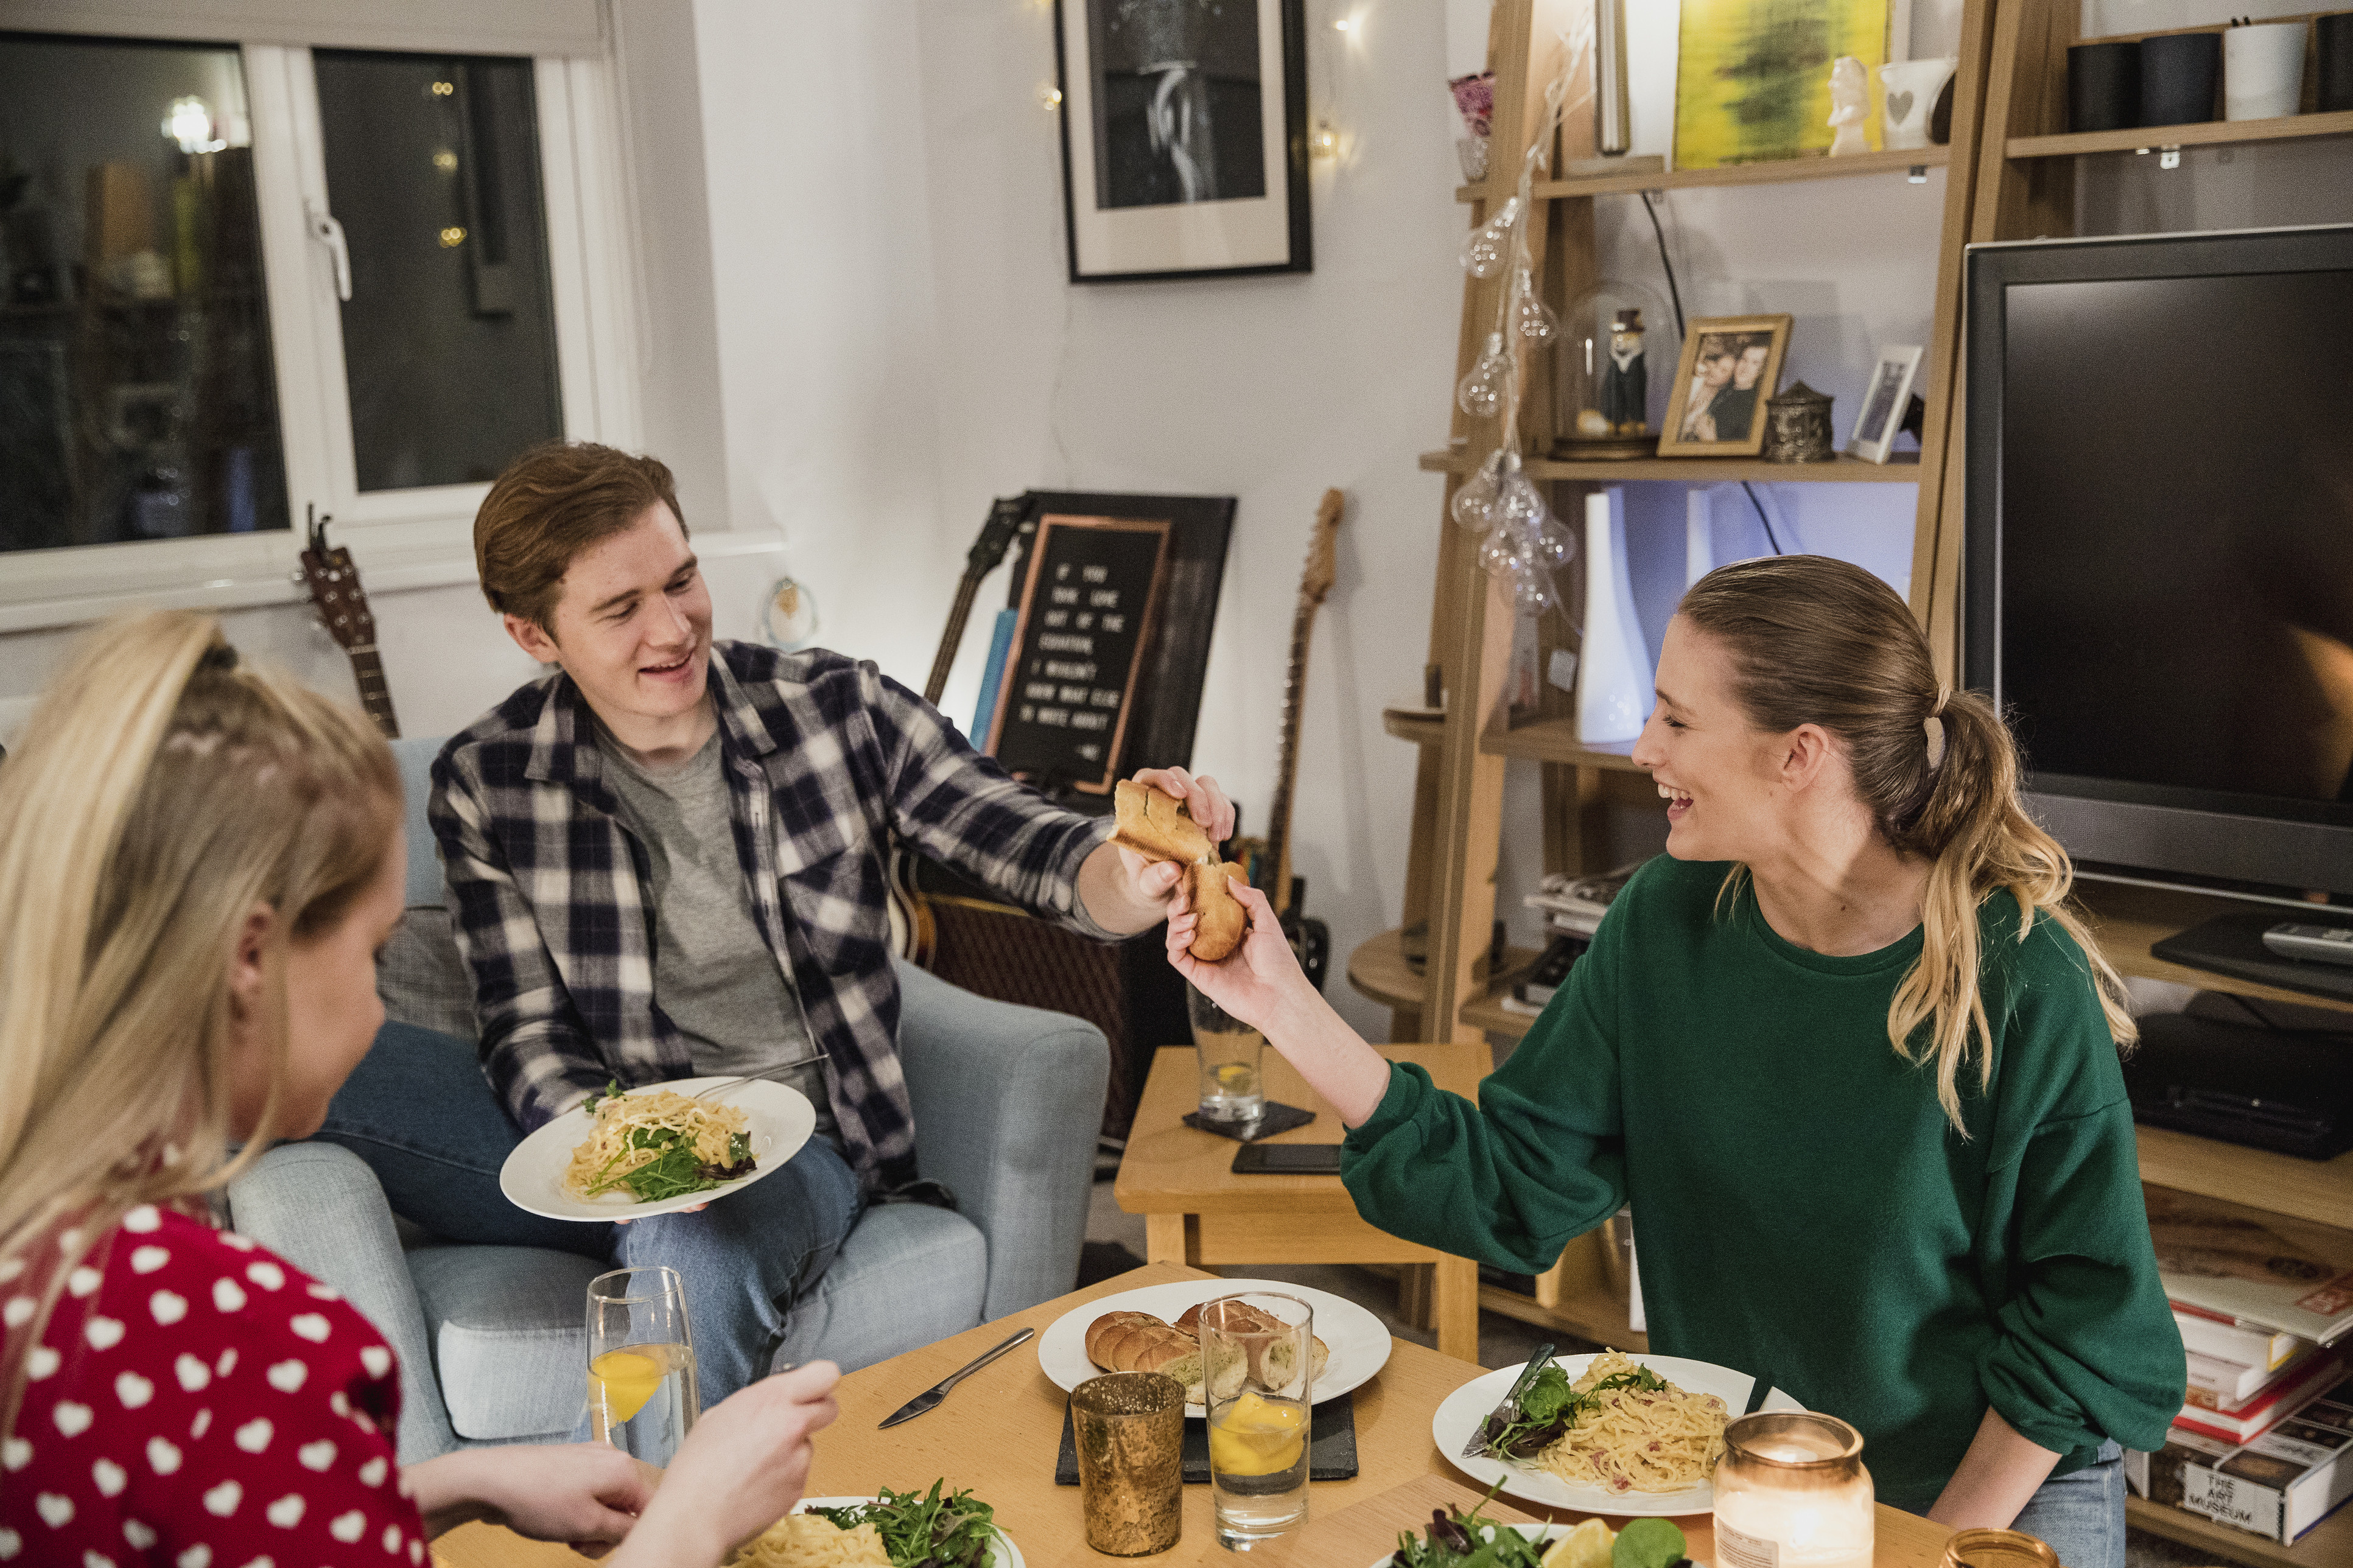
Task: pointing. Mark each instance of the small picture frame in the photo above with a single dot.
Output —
(1884, 403)
(1729, 366)
(1183, 137)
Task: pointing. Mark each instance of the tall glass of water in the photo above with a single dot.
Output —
(1230, 1050)
(1259, 1355)
(642, 1396)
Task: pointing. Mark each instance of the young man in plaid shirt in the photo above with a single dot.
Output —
(667, 862)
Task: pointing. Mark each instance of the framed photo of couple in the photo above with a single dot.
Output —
(1729, 366)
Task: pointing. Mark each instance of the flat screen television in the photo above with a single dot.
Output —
(2158, 556)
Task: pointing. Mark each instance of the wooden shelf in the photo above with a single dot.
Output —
(2129, 920)
(1555, 741)
(2205, 133)
(1780, 170)
(1904, 469)
(1377, 969)
(2330, 1541)
(1593, 1315)
(2320, 1191)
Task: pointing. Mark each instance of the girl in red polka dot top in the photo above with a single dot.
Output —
(197, 864)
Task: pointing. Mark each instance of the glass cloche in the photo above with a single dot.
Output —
(1616, 356)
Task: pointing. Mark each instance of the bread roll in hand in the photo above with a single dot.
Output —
(1223, 919)
(1157, 826)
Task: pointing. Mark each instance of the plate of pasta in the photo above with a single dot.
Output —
(1617, 1434)
(634, 1154)
(897, 1529)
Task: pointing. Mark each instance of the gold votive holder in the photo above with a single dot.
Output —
(1129, 1427)
(1998, 1549)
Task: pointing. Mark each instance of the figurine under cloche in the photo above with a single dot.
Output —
(1605, 406)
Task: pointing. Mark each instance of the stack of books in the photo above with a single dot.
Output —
(2265, 1441)
(1573, 905)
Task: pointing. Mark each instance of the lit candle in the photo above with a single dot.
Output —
(1791, 1492)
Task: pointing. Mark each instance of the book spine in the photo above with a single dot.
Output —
(2204, 1333)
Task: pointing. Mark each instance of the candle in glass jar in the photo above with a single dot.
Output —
(1791, 1492)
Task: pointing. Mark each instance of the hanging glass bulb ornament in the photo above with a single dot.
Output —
(1489, 246)
(1476, 494)
(1503, 551)
(1521, 505)
(1533, 593)
(1481, 392)
(1555, 545)
(1530, 314)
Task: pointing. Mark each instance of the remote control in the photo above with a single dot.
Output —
(2311, 944)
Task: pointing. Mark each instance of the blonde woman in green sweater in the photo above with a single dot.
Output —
(1848, 1054)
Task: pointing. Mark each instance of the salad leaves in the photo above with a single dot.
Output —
(1548, 1407)
(1459, 1539)
(926, 1531)
(674, 1172)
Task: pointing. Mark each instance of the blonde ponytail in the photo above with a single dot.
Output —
(1815, 640)
(158, 794)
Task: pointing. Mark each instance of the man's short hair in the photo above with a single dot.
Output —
(551, 504)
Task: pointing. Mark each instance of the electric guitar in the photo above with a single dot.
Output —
(913, 934)
(1271, 866)
(334, 584)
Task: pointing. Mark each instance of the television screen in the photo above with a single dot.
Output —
(2178, 532)
(2159, 546)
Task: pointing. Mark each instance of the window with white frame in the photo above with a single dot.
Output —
(247, 281)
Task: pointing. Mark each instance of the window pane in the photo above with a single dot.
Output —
(137, 399)
(449, 334)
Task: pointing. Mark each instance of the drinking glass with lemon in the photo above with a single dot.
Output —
(642, 1396)
(1258, 1370)
(1229, 1051)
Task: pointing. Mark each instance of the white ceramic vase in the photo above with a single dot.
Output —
(1613, 677)
(1907, 96)
(2263, 71)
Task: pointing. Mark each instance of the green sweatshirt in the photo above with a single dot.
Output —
(1802, 1205)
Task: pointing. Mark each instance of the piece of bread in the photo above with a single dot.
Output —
(1156, 826)
(1223, 919)
(1270, 1352)
(1138, 1342)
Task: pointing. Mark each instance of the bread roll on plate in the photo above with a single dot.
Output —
(1138, 1342)
(1272, 1352)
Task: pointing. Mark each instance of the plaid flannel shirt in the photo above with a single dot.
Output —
(823, 757)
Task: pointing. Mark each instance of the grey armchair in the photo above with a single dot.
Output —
(492, 1339)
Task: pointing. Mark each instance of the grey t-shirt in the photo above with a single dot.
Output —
(713, 974)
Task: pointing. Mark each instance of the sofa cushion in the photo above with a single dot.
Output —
(907, 1276)
(509, 1327)
(422, 978)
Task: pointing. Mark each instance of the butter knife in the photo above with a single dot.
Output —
(930, 1398)
(1478, 1444)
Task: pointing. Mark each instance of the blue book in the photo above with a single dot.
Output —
(992, 675)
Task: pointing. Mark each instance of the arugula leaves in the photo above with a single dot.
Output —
(1459, 1539)
(1549, 1407)
(926, 1531)
(672, 1173)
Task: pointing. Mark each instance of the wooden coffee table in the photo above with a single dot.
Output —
(998, 1431)
(1197, 1211)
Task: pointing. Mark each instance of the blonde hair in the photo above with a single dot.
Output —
(1818, 641)
(158, 795)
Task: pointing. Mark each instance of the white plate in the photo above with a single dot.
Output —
(780, 1117)
(1358, 1343)
(1464, 1409)
(1007, 1554)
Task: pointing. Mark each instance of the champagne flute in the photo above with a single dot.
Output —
(642, 1396)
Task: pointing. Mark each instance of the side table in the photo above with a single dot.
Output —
(1197, 1212)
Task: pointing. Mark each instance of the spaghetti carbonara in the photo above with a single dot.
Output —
(1632, 1438)
(805, 1541)
(659, 1144)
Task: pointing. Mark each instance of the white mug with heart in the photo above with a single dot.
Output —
(1908, 90)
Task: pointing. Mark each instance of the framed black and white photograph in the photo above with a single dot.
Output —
(1884, 403)
(1184, 137)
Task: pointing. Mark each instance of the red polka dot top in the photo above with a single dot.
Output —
(196, 1401)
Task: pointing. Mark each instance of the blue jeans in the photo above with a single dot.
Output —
(2081, 1515)
(418, 1110)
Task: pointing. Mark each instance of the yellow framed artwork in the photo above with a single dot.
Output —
(1753, 76)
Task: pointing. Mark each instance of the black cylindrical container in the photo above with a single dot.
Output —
(2334, 41)
(2178, 74)
(2102, 87)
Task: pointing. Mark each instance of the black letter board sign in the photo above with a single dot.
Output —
(1087, 610)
